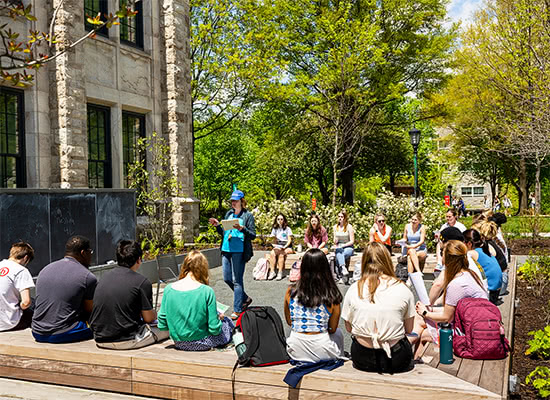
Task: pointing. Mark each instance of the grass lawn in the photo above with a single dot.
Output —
(516, 225)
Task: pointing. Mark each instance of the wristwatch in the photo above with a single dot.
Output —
(424, 313)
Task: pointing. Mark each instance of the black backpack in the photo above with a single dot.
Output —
(263, 336)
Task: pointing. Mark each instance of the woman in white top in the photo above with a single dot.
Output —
(281, 248)
(344, 238)
(379, 312)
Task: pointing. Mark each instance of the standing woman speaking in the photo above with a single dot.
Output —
(237, 249)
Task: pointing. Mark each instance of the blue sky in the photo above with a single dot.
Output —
(463, 9)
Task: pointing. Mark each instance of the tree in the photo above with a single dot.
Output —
(507, 51)
(342, 61)
(19, 57)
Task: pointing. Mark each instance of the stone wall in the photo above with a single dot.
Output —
(153, 81)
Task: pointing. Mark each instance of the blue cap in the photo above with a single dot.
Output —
(237, 195)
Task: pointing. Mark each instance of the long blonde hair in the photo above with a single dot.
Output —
(197, 264)
(456, 261)
(376, 262)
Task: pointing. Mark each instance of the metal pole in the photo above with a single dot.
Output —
(415, 173)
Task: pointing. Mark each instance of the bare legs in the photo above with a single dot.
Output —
(415, 260)
(278, 257)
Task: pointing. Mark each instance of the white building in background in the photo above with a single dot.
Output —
(77, 126)
(471, 190)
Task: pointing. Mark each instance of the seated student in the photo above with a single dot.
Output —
(123, 304)
(188, 309)
(379, 312)
(344, 239)
(414, 236)
(493, 248)
(64, 296)
(380, 232)
(312, 309)
(436, 290)
(473, 241)
(316, 236)
(460, 283)
(282, 247)
(452, 221)
(15, 286)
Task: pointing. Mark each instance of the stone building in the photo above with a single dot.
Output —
(77, 126)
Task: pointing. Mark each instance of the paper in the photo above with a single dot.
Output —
(419, 287)
(229, 223)
(401, 242)
(278, 246)
(222, 308)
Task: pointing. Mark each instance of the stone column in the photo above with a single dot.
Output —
(68, 100)
(176, 111)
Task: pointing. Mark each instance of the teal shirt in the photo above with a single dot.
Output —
(189, 315)
(236, 243)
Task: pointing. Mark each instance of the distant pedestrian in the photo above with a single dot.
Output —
(461, 207)
(532, 201)
(486, 202)
(507, 205)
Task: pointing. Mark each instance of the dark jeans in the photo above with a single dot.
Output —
(78, 333)
(376, 360)
(493, 296)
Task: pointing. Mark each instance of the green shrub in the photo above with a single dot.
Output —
(540, 344)
(540, 379)
(536, 272)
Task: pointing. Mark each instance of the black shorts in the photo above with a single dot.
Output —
(376, 360)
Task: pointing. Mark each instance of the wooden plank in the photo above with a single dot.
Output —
(470, 370)
(89, 382)
(420, 383)
(66, 367)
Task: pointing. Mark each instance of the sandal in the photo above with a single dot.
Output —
(234, 316)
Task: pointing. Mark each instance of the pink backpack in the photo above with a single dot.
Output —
(260, 271)
(295, 271)
(478, 331)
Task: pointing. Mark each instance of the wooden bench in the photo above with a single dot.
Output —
(356, 258)
(492, 375)
(163, 372)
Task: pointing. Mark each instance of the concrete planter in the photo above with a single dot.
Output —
(149, 268)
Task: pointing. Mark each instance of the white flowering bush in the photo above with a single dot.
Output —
(361, 221)
(398, 211)
(265, 213)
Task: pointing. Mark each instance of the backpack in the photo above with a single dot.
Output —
(295, 271)
(263, 336)
(260, 271)
(478, 331)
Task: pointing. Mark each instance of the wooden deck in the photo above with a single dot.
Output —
(163, 372)
(492, 375)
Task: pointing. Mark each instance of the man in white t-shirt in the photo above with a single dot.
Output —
(15, 285)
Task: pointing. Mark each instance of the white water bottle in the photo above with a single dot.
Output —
(238, 340)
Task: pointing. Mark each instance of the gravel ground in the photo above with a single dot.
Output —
(267, 292)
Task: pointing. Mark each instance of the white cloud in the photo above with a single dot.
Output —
(463, 10)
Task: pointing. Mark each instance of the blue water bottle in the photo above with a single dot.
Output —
(445, 343)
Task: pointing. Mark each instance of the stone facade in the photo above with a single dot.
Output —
(152, 81)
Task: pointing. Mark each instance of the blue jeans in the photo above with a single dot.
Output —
(342, 254)
(233, 271)
(77, 334)
(504, 286)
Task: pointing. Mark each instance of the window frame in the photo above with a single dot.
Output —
(470, 188)
(20, 157)
(138, 6)
(478, 194)
(141, 134)
(103, 9)
(108, 163)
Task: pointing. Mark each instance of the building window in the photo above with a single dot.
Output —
(133, 128)
(99, 147)
(131, 29)
(466, 191)
(479, 191)
(91, 9)
(12, 133)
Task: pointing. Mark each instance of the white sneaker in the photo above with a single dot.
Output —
(279, 276)
(271, 275)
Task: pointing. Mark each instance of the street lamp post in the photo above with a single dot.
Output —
(415, 140)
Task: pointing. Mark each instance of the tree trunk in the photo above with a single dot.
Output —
(392, 183)
(334, 185)
(346, 179)
(323, 186)
(522, 186)
(537, 187)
